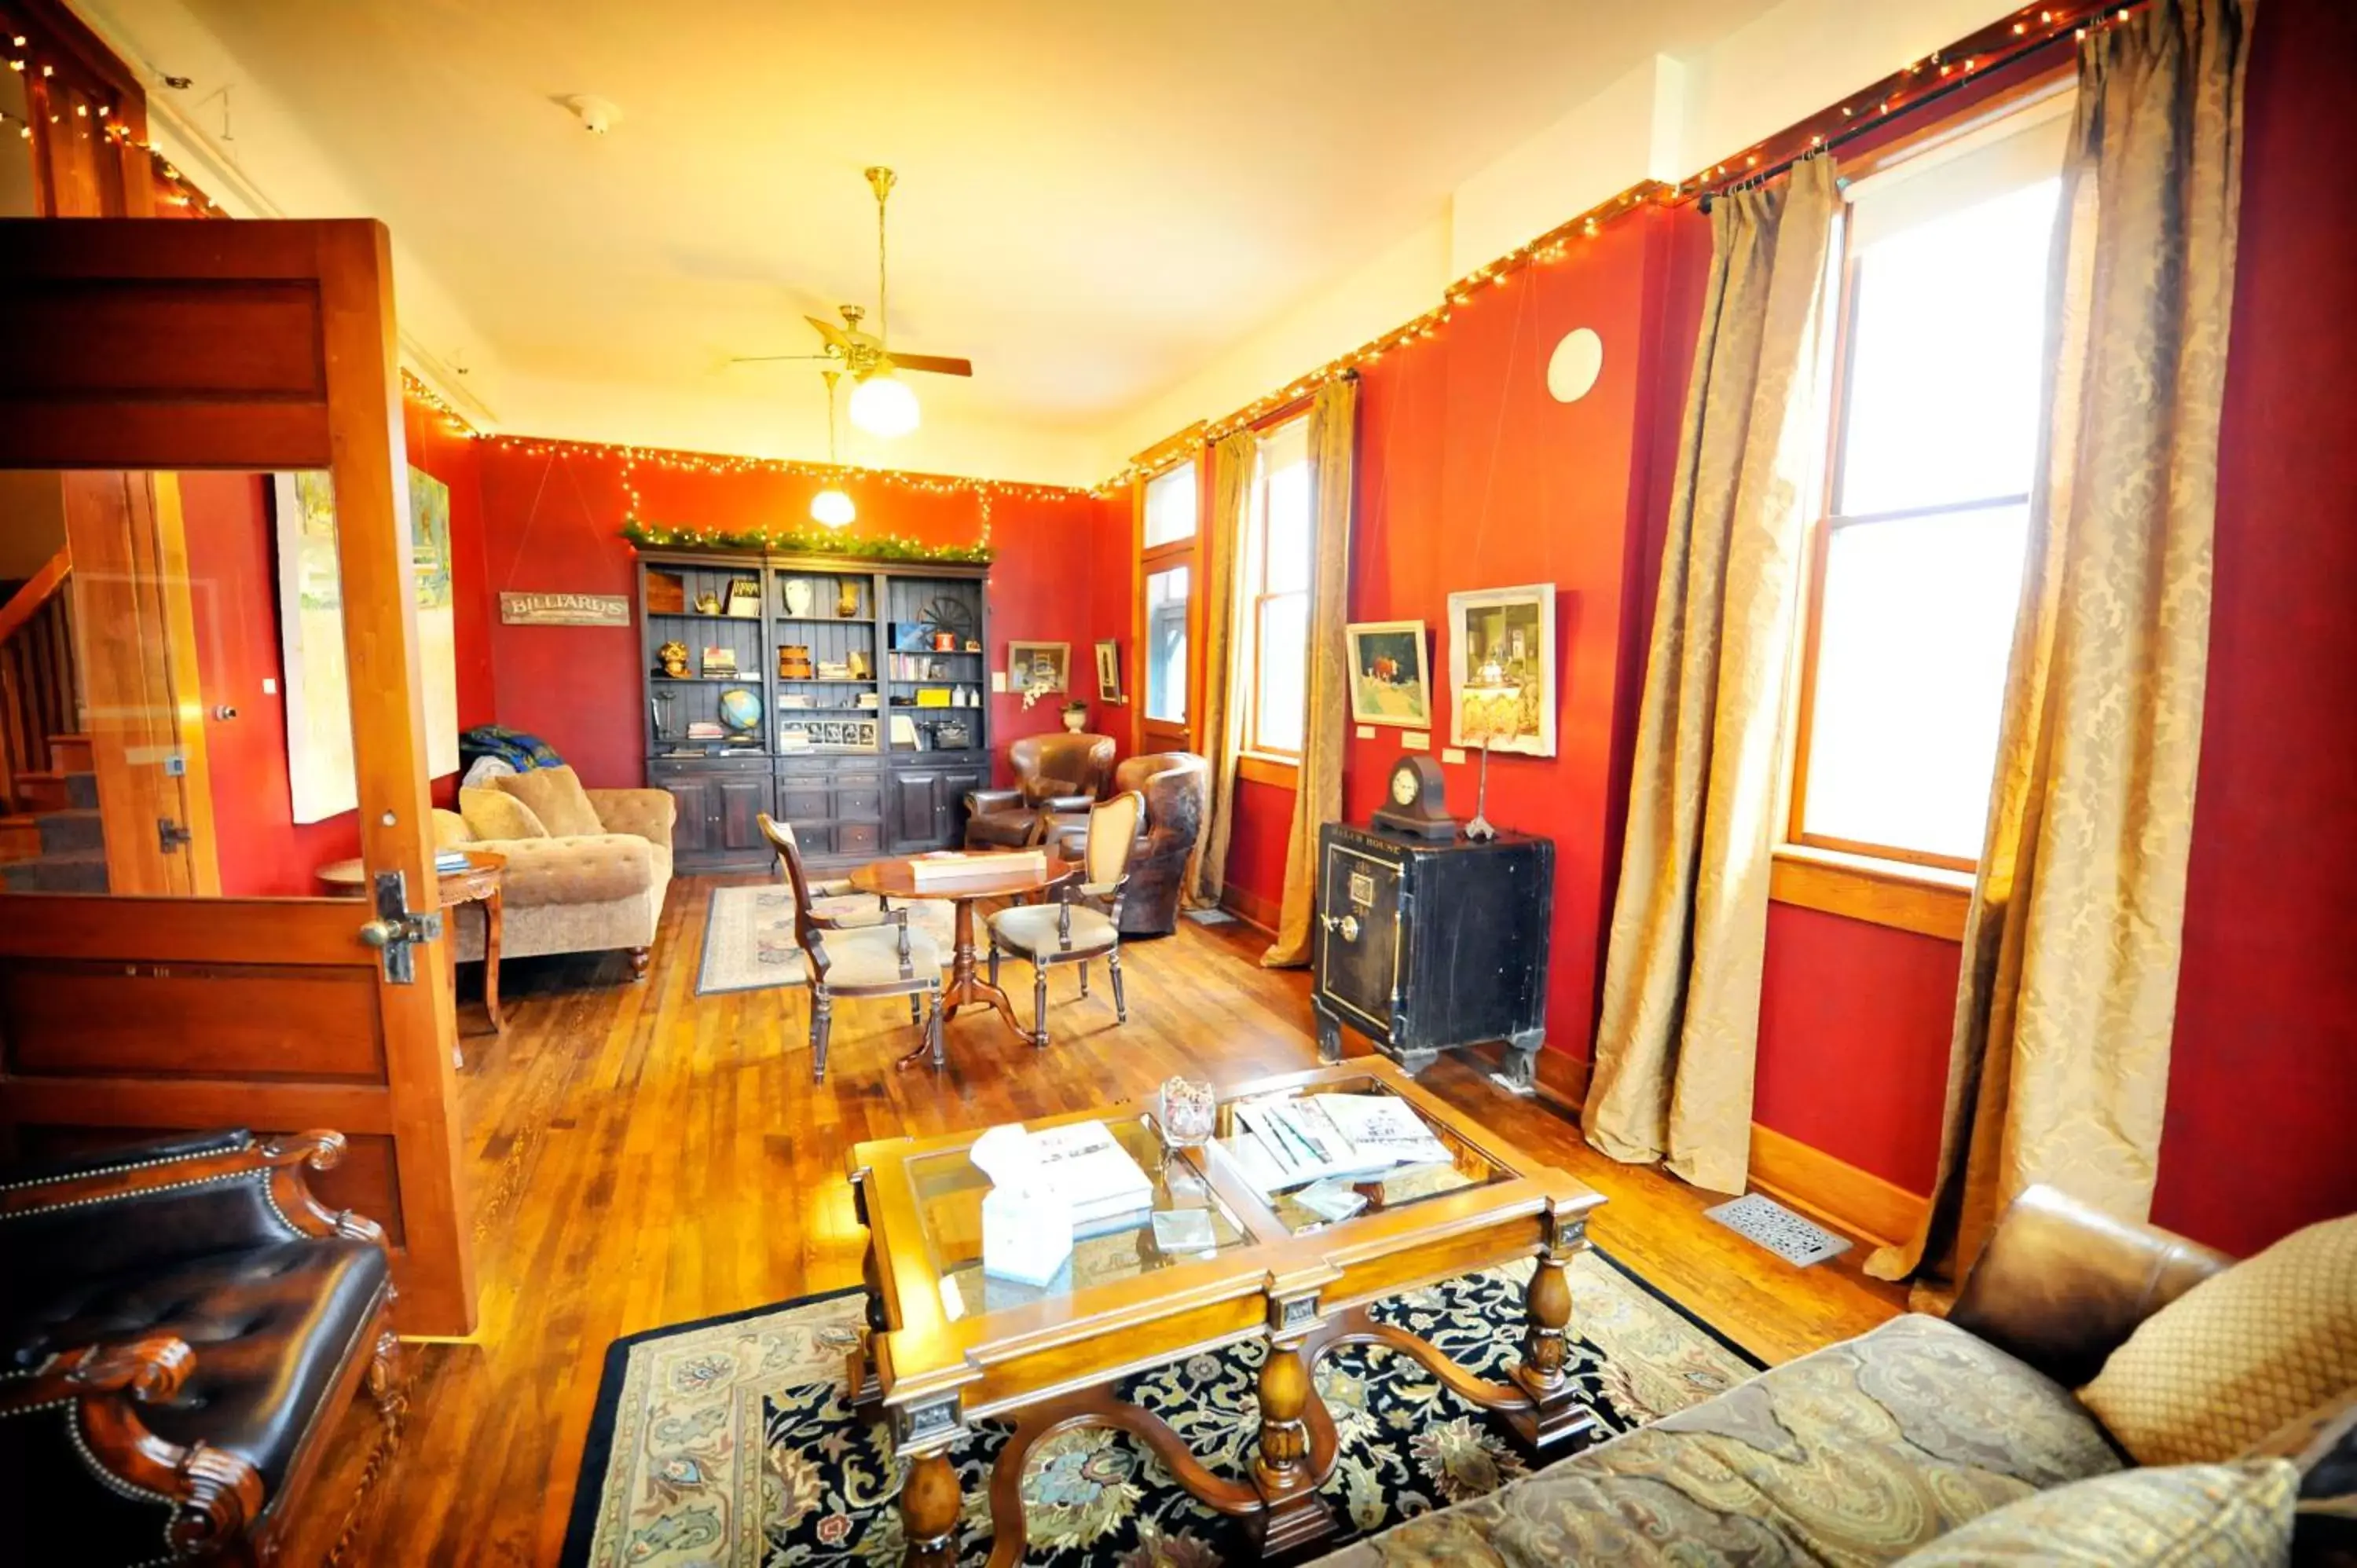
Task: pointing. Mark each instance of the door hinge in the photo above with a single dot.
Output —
(397, 929)
(171, 837)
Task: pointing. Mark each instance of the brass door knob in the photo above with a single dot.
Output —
(380, 933)
(1347, 927)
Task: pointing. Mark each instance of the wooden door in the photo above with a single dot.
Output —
(134, 344)
(949, 817)
(742, 801)
(909, 810)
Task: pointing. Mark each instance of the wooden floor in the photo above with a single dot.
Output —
(640, 1155)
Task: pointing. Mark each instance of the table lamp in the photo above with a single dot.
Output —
(1494, 712)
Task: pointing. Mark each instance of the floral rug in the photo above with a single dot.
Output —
(748, 934)
(729, 1443)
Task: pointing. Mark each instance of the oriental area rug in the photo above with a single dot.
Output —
(730, 1443)
(748, 934)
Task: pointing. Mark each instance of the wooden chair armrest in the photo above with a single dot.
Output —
(215, 1493)
(2062, 1285)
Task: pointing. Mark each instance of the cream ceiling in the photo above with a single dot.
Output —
(1096, 198)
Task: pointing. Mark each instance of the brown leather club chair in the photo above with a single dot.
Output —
(1177, 786)
(1059, 772)
(184, 1326)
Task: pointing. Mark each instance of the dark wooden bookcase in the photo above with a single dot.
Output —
(869, 752)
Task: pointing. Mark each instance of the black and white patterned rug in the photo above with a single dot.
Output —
(731, 1442)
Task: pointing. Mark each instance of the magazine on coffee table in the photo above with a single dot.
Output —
(1283, 1143)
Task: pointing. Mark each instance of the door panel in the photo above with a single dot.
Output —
(1358, 936)
(125, 1015)
(742, 802)
(910, 809)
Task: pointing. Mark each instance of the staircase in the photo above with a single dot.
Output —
(54, 843)
(50, 840)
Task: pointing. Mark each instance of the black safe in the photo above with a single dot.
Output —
(1421, 946)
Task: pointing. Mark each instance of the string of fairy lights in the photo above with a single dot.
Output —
(2000, 44)
(178, 192)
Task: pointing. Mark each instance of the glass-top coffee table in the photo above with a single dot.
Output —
(949, 1346)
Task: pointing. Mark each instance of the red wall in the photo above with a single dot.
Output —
(232, 567)
(552, 515)
(2261, 1123)
(1469, 476)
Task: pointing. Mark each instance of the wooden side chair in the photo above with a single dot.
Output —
(870, 953)
(1081, 920)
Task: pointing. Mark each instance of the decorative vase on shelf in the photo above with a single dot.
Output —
(666, 712)
(846, 599)
(1076, 717)
(798, 596)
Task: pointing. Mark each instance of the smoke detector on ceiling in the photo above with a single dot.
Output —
(598, 115)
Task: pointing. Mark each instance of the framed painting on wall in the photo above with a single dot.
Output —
(1041, 667)
(1109, 671)
(1501, 669)
(1391, 682)
(321, 773)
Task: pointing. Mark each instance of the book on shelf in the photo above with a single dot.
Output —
(718, 660)
(1291, 1143)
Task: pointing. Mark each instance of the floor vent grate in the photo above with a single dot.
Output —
(1778, 1229)
(1210, 916)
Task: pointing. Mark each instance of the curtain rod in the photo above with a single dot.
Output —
(2066, 30)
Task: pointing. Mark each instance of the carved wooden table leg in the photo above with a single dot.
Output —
(1552, 1411)
(929, 1512)
(1293, 1513)
(867, 1392)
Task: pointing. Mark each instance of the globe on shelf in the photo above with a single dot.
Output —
(740, 709)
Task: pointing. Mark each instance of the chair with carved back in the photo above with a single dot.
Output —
(184, 1327)
(1082, 920)
(857, 953)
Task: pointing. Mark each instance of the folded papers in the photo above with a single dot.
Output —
(1284, 1144)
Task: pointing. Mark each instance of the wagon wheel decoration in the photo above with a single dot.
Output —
(947, 614)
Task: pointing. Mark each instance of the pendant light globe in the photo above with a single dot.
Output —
(833, 507)
(882, 405)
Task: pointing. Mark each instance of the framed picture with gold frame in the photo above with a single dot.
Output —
(1501, 669)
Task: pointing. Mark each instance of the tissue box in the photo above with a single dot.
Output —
(1025, 1236)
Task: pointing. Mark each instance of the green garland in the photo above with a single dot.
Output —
(794, 541)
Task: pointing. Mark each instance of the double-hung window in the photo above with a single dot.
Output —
(1916, 554)
(1279, 557)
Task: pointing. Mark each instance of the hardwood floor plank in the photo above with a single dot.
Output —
(640, 1155)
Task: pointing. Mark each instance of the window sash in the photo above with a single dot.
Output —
(1257, 596)
(1837, 423)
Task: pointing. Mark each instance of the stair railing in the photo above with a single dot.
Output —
(41, 685)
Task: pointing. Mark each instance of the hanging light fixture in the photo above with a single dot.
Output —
(831, 506)
(881, 403)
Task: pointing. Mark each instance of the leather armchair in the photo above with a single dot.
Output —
(1177, 786)
(2062, 1285)
(1059, 772)
(181, 1324)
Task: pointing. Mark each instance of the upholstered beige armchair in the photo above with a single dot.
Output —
(576, 892)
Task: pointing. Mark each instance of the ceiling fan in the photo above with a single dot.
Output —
(881, 403)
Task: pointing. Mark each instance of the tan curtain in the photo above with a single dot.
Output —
(2059, 1066)
(1220, 715)
(1318, 798)
(1681, 1019)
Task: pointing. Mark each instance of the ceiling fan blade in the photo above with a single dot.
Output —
(831, 332)
(772, 358)
(938, 364)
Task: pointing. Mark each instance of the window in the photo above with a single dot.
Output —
(1934, 434)
(1170, 507)
(1166, 529)
(1165, 646)
(1273, 583)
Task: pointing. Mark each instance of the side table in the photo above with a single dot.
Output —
(477, 883)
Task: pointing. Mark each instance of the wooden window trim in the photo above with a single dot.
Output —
(1257, 601)
(1151, 733)
(1865, 870)
(1265, 768)
(1930, 901)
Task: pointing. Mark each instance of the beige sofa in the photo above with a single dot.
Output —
(583, 893)
(1879, 1446)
